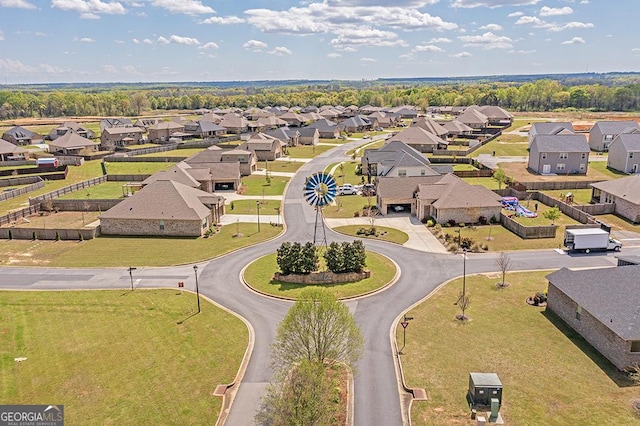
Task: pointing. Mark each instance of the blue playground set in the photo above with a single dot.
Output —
(512, 203)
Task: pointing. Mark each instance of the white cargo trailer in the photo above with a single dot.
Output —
(589, 239)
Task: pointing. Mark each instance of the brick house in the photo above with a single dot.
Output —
(624, 193)
(602, 306)
(9, 151)
(162, 132)
(73, 144)
(120, 137)
(20, 136)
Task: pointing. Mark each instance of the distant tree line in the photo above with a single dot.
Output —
(539, 95)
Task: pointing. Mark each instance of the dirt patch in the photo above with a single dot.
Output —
(520, 173)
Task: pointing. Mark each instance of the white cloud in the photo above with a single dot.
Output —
(439, 40)
(255, 45)
(88, 15)
(189, 41)
(407, 56)
(147, 41)
(368, 60)
(280, 51)
(186, 7)
(427, 48)
(16, 67)
(492, 3)
(39, 34)
(487, 40)
(492, 27)
(209, 45)
(523, 51)
(570, 26)
(515, 14)
(92, 7)
(87, 40)
(555, 11)
(636, 49)
(224, 20)
(110, 69)
(461, 55)
(162, 40)
(526, 20)
(334, 55)
(119, 41)
(352, 38)
(135, 41)
(575, 40)
(130, 69)
(20, 4)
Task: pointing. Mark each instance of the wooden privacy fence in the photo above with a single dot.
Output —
(528, 232)
(67, 189)
(7, 195)
(84, 205)
(49, 234)
(168, 159)
(553, 185)
(126, 178)
(19, 214)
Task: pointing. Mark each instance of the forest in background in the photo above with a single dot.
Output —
(595, 92)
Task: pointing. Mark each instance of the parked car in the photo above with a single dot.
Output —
(347, 189)
(368, 189)
(398, 208)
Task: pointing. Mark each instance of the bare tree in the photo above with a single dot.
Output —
(503, 263)
(464, 300)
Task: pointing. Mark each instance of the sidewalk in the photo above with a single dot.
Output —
(420, 238)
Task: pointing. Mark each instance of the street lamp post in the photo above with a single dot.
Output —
(195, 270)
(131, 269)
(258, 208)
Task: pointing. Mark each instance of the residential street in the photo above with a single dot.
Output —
(377, 390)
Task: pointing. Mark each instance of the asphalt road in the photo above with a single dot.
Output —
(377, 393)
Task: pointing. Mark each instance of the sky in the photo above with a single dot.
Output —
(67, 41)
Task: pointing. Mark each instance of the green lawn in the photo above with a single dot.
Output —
(118, 357)
(249, 207)
(458, 167)
(370, 145)
(138, 251)
(187, 152)
(580, 196)
(306, 151)
(260, 273)
(385, 234)
(618, 223)
(540, 220)
(346, 176)
(126, 168)
(107, 190)
(347, 205)
(281, 166)
(502, 239)
(257, 185)
(551, 376)
(601, 166)
(487, 182)
(503, 147)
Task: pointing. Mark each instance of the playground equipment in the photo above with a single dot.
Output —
(513, 204)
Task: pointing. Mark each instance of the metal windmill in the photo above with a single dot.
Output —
(319, 190)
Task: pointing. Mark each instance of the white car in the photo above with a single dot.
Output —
(347, 189)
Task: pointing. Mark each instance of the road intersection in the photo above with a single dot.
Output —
(377, 392)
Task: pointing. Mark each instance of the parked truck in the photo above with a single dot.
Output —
(589, 239)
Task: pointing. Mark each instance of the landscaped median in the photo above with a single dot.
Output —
(550, 375)
(118, 357)
(259, 276)
(381, 233)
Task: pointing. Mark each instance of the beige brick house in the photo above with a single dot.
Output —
(112, 138)
(624, 193)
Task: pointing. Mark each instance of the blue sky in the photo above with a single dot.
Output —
(224, 40)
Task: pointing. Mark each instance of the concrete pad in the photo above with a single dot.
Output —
(246, 404)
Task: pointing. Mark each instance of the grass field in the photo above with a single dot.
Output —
(260, 273)
(60, 220)
(349, 174)
(187, 152)
(136, 168)
(597, 171)
(551, 376)
(618, 224)
(487, 182)
(502, 239)
(125, 251)
(370, 145)
(305, 151)
(257, 185)
(391, 235)
(118, 357)
(540, 220)
(249, 207)
(580, 196)
(347, 205)
(281, 166)
(107, 190)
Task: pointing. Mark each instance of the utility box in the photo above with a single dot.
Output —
(483, 387)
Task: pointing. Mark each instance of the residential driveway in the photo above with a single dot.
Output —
(492, 161)
(420, 238)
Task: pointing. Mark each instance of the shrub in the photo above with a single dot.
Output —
(437, 227)
(493, 219)
(482, 220)
(451, 222)
(467, 242)
(57, 236)
(356, 214)
(431, 223)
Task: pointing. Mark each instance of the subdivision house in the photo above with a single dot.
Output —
(208, 177)
(602, 306)
(604, 132)
(293, 119)
(496, 115)
(234, 123)
(162, 132)
(164, 208)
(204, 129)
(246, 160)
(549, 128)
(309, 136)
(442, 197)
(20, 136)
(624, 193)
(327, 129)
(145, 123)
(113, 138)
(73, 144)
(272, 122)
(358, 123)
(70, 126)
(473, 118)
(404, 111)
(266, 148)
(397, 159)
(455, 128)
(559, 154)
(291, 137)
(430, 126)
(115, 122)
(420, 139)
(624, 153)
(384, 119)
(11, 152)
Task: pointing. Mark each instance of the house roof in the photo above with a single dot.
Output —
(494, 112)
(7, 147)
(162, 199)
(18, 132)
(626, 188)
(221, 171)
(307, 132)
(261, 142)
(178, 173)
(209, 126)
(472, 116)
(355, 121)
(561, 143)
(614, 127)
(402, 187)
(551, 128)
(166, 125)
(72, 140)
(609, 294)
(323, 125)
(454, 126)
(452, 192)
(111, 122)
(429, 125)
(233, 121)
(398, 154)
(283, 133)
(630, 141)
(122, 130)
(272, 121)
(417, 135)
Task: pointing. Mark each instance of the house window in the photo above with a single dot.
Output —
(162, 225)
(582, 166)
(584, 155)
(608, 138)
(578, 312)
(560, 166)
(631, 155)
(544, 155)
(564, 155)
(423, 172)
(402, 173)
(635, 346)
